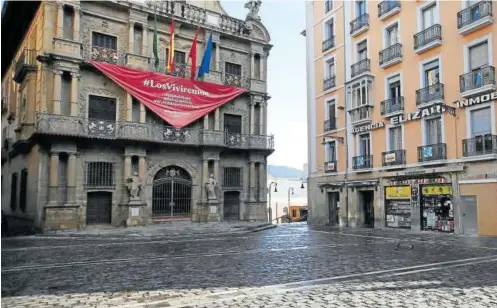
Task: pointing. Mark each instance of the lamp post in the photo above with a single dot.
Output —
(269, 201)
(290, 189)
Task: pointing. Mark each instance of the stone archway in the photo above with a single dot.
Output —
(172, 193)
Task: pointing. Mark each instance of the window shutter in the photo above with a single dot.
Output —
(478, 55)
(481, 122)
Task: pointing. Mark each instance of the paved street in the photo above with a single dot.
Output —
(289, 266)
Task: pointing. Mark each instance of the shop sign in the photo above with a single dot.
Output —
(477, 100)
(418, 181)
(434, 190)
(420, 114)
(390, 157)
(398, 192)
(367, 128)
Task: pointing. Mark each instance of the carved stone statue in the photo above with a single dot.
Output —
(134, 186)
(210, 187)
(253, 6)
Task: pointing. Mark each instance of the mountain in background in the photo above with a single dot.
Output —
(285, 172)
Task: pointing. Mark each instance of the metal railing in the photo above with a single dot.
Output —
(386, 6)
(27, 60)
(392, 105)
(479, 145)
(362, 162)
(179, 69)
(474, 13)
(54, 124)
(477, 79)
(392, 158)
(102, 54)
(236, 81)
(427, 36)
(390, 53)
(329, 43)
(330, 124)
(431, 152)
(360, 67)
(232, 177)
(359, 22)
(362, 113)
(431, 93)
(331, 166)
(329, 83)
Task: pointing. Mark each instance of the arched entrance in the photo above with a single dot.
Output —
(171, 193)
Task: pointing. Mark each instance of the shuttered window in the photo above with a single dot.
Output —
(481, 123)
(65, 102)
(104, 41)
(395, 138)
(68, 23)
(478, 55)
(434, 131)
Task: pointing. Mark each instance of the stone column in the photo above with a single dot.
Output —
(60, 20)
(57, 91)
(53, 178)
(252, 180)
(261, 67)
(205, 175)
(252, 118)
(142, 168)
(261, 118)
(262, 181)
(129, 107)
(143, 113)
(145, 40)
(206, 121)
(131, 38)
(76, 25)
(71, 178)
(216, 171)
(216, 119)
(127, 167)
(252, 65)
(74, 94)
(218, 68)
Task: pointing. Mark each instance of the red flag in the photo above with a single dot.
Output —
(170, 65)
(193, 55)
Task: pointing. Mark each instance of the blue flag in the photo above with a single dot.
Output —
(205, 67)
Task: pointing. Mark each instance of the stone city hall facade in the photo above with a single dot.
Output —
(71, 137)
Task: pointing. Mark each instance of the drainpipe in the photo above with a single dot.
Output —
(346, 122)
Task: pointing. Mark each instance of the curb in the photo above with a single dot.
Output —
(263, 228)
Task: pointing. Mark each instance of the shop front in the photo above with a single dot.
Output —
(437, 210)
(398, 206)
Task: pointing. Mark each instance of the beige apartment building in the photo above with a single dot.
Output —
(401, 114)
(72, 139)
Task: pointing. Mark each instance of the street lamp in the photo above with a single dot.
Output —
(269, 208)
(290, 189)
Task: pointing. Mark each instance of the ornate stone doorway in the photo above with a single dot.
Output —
(171, 193)
(231, 205)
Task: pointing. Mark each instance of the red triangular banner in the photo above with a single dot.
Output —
(179, 101)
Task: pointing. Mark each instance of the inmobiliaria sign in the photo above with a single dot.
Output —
(179, 101)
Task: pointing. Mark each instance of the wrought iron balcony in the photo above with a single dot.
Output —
(328, 5)
(430, 94)
(329, 83)
(387, 8)
(53, 124)
(361, 114)
(428, 38)
(330, 124)
(360, 67)
(329, 43)
(480, 145)
(391, 55)
(179, 70)
(236, 81)
(101, 54)
(331, 166)
(361, 22)
(432, 152)
(480, 79)
(362, 162)
(393, 158)
(392, 105)
(474, 17)
(25, 63)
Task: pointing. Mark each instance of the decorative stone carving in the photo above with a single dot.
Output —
(134, 185)
(156, 165)
(253, 6)
(211, 186)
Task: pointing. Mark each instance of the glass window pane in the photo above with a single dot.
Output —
(481, 122)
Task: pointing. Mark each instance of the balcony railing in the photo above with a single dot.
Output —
(101, 54)
(179, 69)
(359, 22)
(474, 13)
(479, 145)
(393, 158)
(360, 114)
(392, 105)
(236, 81)
(53, 124)
(330, 124)
(427, 36)
(328, 5)
(329, 83)
(390, 53)
(25, 63)
(432, 152)
(360, 67)
(331, 166)
(484, 76)
(387, 6)
(429, 94)
(329, 43)
(362, 162)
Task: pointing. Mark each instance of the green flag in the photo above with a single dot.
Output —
(156, 52)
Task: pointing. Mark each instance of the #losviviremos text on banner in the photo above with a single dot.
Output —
(179, 101)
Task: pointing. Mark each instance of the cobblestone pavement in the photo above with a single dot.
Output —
(290, 266)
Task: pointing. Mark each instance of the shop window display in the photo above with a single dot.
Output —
(436, 208)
